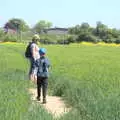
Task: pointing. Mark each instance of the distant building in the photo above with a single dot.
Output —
(8, 28)
(11, 31)
(57, 30)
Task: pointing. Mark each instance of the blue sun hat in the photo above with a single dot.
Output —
(42, 51)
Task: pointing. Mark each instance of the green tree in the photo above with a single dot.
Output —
(85, 27)
(17, 24)
(42, 25)
(78, 29)
(75, 30)
(101, 30)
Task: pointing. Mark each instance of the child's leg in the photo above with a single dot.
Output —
(38, 87)
(45, 84)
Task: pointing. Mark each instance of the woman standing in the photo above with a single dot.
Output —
(34, 56)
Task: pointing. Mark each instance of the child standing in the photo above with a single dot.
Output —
(43, 65)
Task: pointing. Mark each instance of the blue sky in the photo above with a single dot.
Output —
(62, 13)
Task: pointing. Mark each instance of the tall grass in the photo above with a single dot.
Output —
(87, 77)
(15, 103)
(13, 87)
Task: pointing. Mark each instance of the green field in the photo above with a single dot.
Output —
(87, 77)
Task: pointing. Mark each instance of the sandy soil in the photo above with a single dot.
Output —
(55, 105)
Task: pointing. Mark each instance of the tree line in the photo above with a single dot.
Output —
(101, 33)
(21, 25)
(76, 34)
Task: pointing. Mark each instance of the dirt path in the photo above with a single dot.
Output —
(54, 105)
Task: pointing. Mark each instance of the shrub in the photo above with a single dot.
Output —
(88, 38)
(111, 40)
(117, 41)
(10, 38)
(72, 39)
(1, 34)
(63, 41)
